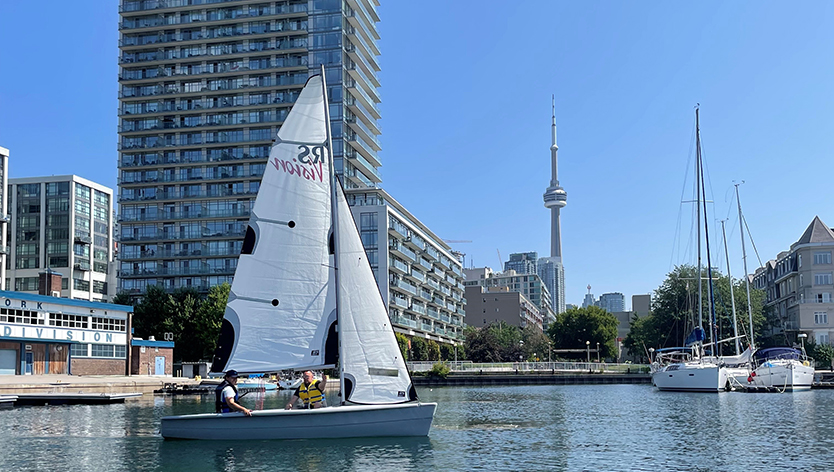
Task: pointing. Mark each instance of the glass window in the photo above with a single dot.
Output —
(822, 258)
(820, 317)
(823, 279)
(79, 350)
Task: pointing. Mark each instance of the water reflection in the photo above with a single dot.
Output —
(581, 427)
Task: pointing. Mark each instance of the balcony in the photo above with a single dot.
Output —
(426, 264)
(433, 283)
(398, 247)
(403, 321)
(426, 327)
(400, 302)
(416, 242)
(360, 77)
(417, 275)
(445, 318)
(440, 330)
(432, 253)
(418, 308)
(359, 156)
(398, 266)
(185, 215)
(364, 131)
(455, 321)
(403, 285)
(433, 313)
(424, 294)
(438, 301)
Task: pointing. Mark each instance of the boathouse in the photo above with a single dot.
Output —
(40, 334)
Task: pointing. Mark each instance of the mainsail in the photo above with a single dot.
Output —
(373, 369)
(281, 309)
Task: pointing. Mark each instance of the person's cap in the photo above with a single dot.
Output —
(231, 373)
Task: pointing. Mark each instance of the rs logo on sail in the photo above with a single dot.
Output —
(312, 160)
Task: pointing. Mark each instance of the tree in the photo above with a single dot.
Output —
(433, 350)
(402, 342)
(577, 326)
(675, 312)
(482, 345)
(419, 349)
(536, 343)
(210, 318)
(152, 314)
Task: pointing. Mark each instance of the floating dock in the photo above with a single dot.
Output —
(73, 398)
(7, 401)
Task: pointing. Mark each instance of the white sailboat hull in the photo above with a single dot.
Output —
(784, 374)
(693, 377)
(355, 421)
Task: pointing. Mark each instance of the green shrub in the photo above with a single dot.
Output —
(439, 369)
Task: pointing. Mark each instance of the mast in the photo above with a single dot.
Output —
(746, 278)
(712, 332)
(732, 297)
(334, 219)
(698, 208)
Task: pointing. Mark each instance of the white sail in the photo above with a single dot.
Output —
(372, 365)
(282, 306)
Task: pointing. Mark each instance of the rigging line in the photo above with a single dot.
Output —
(751, 242)
(676, 237)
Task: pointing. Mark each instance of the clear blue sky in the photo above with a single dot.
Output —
(466, 120)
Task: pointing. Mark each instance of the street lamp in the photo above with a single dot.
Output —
(597, 352)
(588, 350)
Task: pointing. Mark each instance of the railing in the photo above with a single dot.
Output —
(401, 320)
(400, 302)
(468, 366)
(418, 308)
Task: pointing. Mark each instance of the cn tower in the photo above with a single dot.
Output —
(555, 198)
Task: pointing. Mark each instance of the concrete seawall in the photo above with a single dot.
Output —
(474, 379)
(18, 384)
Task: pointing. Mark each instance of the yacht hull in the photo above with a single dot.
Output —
(407, 419)
(783, 374)
(694, 377)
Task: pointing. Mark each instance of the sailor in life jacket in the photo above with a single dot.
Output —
(311, 392)
(226, 397)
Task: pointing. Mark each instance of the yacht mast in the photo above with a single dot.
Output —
(712, 332)
(698, 208)
(334, 218)
(732, 297)
(746, 278)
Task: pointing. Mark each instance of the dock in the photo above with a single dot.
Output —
(39, 399)
(92, 384)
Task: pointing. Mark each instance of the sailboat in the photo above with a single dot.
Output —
(779, 368)
(304, 297)
(700, 372)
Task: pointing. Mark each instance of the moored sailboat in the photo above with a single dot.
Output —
(700, 373)
(779, 368)
(304, 297)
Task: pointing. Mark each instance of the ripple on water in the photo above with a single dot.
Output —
(583, 427)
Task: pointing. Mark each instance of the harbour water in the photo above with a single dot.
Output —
(581, 427)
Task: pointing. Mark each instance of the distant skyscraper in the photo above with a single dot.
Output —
(589, 299)
(523, 262)
(612, 302)
(551, 270)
